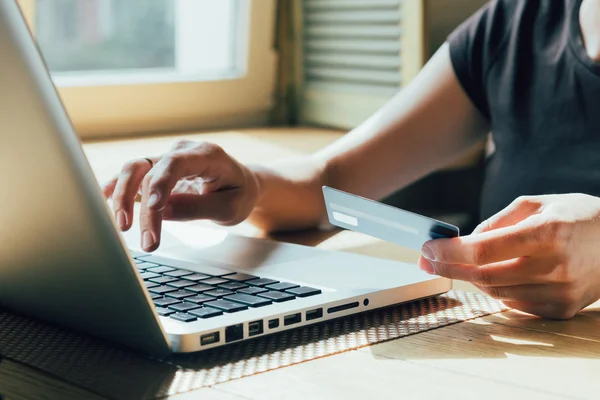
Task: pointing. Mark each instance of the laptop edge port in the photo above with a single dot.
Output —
(343, 307)
(255, 328)
(209, 338)
(292, 319)
(274, 323)
(234, 332)
(314, 314)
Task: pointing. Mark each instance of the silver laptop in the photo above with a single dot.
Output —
(63, 260)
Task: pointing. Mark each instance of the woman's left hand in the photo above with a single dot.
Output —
(540, 255)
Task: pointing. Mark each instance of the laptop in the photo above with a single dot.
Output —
(63, 260)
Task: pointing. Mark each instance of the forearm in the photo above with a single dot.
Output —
(426, 126)
(290, 194)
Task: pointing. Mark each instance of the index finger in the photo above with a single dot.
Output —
(479, 249)
(157, 188)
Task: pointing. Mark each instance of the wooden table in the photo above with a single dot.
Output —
(503, 356)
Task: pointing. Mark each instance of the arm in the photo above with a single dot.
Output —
(424, 127)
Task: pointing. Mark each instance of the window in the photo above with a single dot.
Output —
(105, 35)
(89, 42)
(140, 66)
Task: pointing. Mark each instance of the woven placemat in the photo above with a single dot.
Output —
(120, 373)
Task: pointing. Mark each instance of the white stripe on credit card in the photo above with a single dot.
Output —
(354, 215)
(346, 219)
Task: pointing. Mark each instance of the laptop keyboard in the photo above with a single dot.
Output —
(209, 291)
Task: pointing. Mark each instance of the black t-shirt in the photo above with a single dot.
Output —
(524, 66)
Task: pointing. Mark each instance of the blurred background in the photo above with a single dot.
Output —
(145, 67)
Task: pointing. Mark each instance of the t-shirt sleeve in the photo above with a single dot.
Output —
(474, 46)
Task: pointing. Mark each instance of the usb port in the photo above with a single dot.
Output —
(292, 319)
(209, 338)
(314, 314)
(255, 328)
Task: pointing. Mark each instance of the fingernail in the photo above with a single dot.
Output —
(122, 219)
(147, 239)
(153, 200)
(426, 266)
(168, 211)
(428, 253)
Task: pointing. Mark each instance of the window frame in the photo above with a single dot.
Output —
(101, 111)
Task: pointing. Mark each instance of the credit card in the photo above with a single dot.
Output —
(383, 221)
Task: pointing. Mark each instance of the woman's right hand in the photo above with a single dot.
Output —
(192, 181)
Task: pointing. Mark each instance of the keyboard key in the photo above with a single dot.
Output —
(239, 277)
(212, 271)
(227, 306)
(214, 281)
(163, 279)
(277, 296)
(165, 302)
(182, 307)
(200, 288)
(233, 286)
(304, 291)
(196, 277)
(180, 294)
(146, 265)
(149, 284)
(148, 275)
(253, 290)
(282, 286)
(178, 273)
(200, 299)
(162, 289)
(219, 292)
(139, 261)
(206, 312)
(180, 284)
(161, 270)
(155, 296)
(196, 267)
(262, 282)
(164, 312)
(183, 317)
(248, 300)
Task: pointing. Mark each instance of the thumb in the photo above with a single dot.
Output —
(222, 206)
(519, 210)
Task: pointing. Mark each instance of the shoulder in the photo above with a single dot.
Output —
(500, 21)
(489, 27)
(502, 30)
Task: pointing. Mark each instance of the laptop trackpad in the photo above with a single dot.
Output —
(347, 271)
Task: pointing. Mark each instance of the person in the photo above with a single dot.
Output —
(526, 71)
